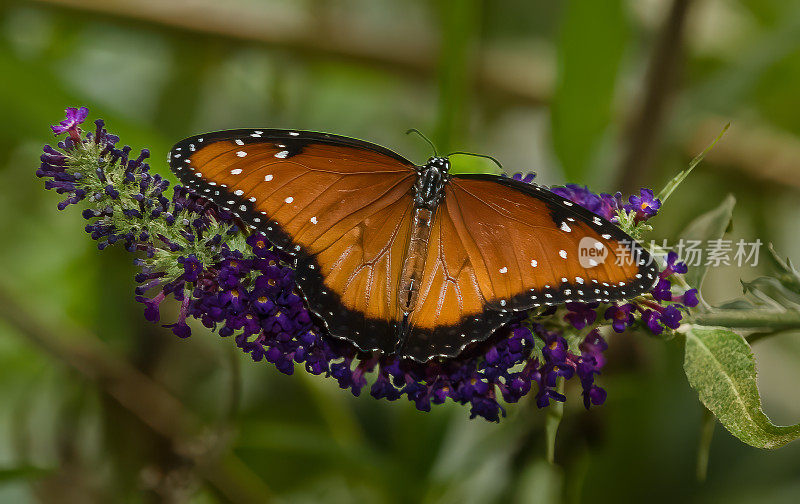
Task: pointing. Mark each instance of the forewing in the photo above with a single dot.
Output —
(340, 206)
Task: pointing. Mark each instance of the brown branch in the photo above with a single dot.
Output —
(147, 400)
(659, 86)
(394, 50)
(756, 151)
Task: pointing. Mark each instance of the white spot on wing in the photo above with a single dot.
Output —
(562, 253)
(268, 178)
(241, 153)
(503, 270)
(313, 220)
(565, 227)
(282, 154)
(239, 141)
(534, 262)
(289, 199)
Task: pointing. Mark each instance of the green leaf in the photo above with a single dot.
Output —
(771, 292)
(8, 474)
(679, 178)
(788, 275)
(464, 163)
(720, 367)
(709, 226)
(589, 51)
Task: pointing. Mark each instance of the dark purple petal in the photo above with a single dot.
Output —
(690, 298)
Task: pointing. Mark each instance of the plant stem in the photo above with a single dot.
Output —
(460, 24)
(665, 64)
(554, 414)
(704, 445)
(747, 319)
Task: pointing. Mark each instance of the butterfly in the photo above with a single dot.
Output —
(404, 259)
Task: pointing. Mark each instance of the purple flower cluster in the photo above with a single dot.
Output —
(643, 206)
(245, 290)
(55, 167)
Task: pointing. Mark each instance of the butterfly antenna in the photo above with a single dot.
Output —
(418, 132)
(477, 155)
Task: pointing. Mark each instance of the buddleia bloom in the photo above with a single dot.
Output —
(238, 285)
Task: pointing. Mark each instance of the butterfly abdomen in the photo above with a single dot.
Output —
(414, 261)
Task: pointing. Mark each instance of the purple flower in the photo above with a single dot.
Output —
(75, 116)
(555, 348)
(180, 329)
(487, 408)
(593, 395)
(662, 290)
(621, 316)
(191, 268)
(671, 317)
(674, 266)
(593, 344)
(645, 205)
(527, 178)
(652, 320)
(545, 394)
(690, 298)
(581, 315)
(260, 246)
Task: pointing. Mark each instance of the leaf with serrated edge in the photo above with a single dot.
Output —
(720, 367)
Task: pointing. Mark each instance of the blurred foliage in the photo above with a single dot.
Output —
(543, 86)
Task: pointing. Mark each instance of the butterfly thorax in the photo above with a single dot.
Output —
(432, 177)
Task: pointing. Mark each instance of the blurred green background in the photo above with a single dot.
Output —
(100, 406)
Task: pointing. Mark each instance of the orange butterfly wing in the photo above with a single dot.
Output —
(499, 245)
(340, 206)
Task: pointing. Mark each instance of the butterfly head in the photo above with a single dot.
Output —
(441, 164)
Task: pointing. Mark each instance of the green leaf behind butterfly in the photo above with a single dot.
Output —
(709, 226)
